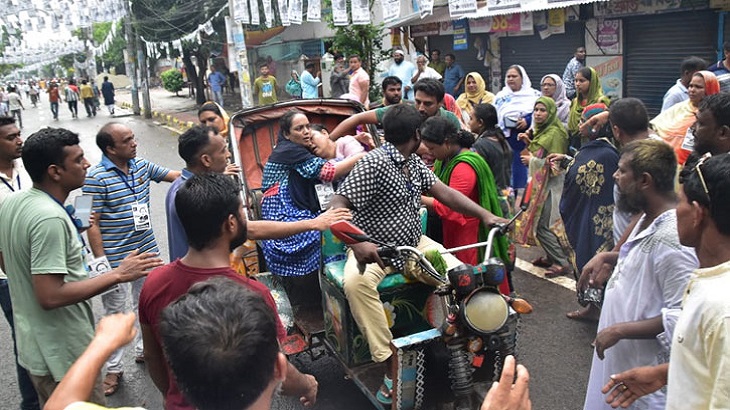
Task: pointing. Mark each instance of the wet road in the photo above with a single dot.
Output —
(556, 350)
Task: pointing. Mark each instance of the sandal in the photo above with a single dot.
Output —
(542, 262)
(586, 314)
(559, 271)
(111, 383)
(385, 393)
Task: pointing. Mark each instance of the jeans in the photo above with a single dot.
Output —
(218, 97)
(54, 109)
(27, 392)
(90, 107)
(73, 107)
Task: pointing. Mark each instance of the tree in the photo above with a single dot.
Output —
(172, 81)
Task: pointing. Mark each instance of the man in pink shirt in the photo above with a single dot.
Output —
(359, 81)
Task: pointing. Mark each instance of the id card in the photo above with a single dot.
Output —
(141, 215)
(689, 140)
(99, 266)
(325, 192)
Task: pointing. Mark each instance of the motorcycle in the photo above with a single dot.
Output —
(449, 343)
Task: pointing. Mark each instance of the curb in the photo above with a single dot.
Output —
(166, 120)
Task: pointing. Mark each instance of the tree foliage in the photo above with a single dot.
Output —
(172, 81)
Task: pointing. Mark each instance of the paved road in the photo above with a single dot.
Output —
(555, 349)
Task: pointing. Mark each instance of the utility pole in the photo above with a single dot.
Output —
(129, 56)
(241, 60)
(144, 77)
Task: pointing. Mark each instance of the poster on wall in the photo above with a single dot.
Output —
(460, 35)
(446, 28)
(459, 8)
(611, 71)
(556, 21)
(314, 10)
(607, 37)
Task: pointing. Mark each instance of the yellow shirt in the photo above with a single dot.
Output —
(86, 91)
(91, 406)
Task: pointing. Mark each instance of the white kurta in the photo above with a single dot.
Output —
(652, 273)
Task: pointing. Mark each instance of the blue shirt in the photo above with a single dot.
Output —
(309, 85)
(722, 74)
(452, 75)
(177, 239)
(676, 94)
(216, 81)
(114, 194)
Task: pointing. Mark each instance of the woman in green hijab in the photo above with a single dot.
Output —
(542, 218)
(587, 91)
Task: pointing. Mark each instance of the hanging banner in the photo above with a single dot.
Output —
(360, 12)
(459, 8)
(268, 13)
(425, 7)
(314, 10)
(284, 13)
(391, 10)
(495, 5)
(460, 35)
(240, 11)
(255, 20)
(339, 12)
(295, 11)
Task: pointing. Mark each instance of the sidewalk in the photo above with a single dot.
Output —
(176, 112)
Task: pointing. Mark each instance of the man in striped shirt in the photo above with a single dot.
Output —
(120, 185)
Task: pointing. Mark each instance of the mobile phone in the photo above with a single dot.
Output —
(82, 204)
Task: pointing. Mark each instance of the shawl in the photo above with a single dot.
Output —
(515, 103)
(224, 115)
(488, 197)
(302, 190)
(551, 134)
(595, 95)
(673, 124)
(561, 101)
(467, 100)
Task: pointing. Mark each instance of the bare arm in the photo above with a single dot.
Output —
(276, 230)
(344, 167)
(302, 385)
(640, 329)
(95, 241)
(462, 204)
(53, 292)
(171, 176)
(113, 332)
(347, 126)
(154, 359)
(365, 86)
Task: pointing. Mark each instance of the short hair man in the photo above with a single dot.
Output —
(574, 65)
(211, 211)
(436, 62)
(359, 81)
(216, 81)
(339, 81)
(264, 86)
(429, 96)
(204, 150)
(120, 186)
(44, 260)
(453, 76)
(14, 179)
(423, 70)
(392, 91)
(712, 130)
(721, 69)
(678, 92)
(652, 270)
(310, 81)
(107, 91)
(87, 94)
(404, 70)
(391, 171)
(697, 377)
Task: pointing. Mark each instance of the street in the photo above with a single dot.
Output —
(556, 350)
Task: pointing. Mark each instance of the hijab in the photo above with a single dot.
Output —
(219, 111)
(595, 95)
(712, 86)
(516, 103)
(467, 100)
(561, 101)
(551, 134)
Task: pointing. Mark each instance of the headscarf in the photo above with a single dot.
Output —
(450, 105)
(467, 100)
(595, 95)
(672, 125)
(561, 101)
(517, 103)
(219, 111)
(551, 134)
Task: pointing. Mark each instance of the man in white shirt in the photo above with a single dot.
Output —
(403, 70)
(424, 71)
(678, 92)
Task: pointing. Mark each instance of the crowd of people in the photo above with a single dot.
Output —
(649, 254)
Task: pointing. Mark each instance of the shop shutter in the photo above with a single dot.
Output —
(541, 57)
(655, 46)
(467, 59)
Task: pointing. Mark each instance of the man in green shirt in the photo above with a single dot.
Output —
(436, 62)
(264, 87)
(42, 251)
(429, 97)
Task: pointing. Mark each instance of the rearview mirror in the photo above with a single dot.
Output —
(348, 233)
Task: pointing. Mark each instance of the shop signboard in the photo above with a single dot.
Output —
(610, 69)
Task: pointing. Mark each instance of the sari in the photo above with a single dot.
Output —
(224, 115)
(516, 104)
(488, 198)
(561, 101)
(674, 125)
(550, 138)
(467, 100)
(595, 95)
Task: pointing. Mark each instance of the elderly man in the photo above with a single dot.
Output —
(424, 71)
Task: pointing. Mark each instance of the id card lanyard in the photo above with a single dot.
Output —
(7, 184)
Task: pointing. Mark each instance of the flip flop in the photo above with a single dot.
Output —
(111, 383)
(542, 262)
(559, 271)
(385, 393)
(581, 315)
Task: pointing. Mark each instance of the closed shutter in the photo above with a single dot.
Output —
(655, 47)
(467, 59)
(542, 57)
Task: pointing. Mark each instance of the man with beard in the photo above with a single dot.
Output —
(392, 92)
(429, 96)
(404, 70)
(652, 271)
(712, 129)
(211, 211)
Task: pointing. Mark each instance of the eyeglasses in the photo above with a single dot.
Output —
(702, 160)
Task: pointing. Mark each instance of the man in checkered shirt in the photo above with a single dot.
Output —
(384, 192)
